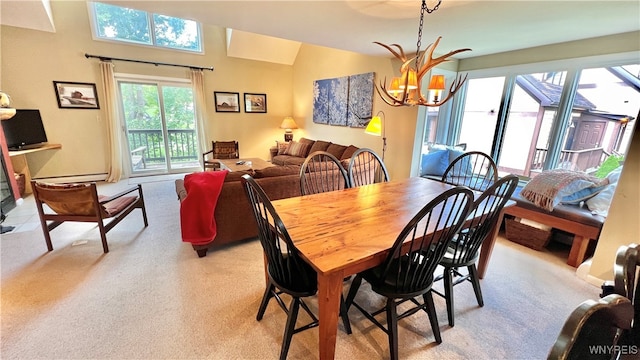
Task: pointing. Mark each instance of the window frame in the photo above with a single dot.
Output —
(152, 33)
(572, 66)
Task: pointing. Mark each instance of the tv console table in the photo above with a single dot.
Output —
(21, 166)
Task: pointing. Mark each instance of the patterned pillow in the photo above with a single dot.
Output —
(297, 149)
(282, 147)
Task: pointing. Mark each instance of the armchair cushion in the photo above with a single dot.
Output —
(114, 207)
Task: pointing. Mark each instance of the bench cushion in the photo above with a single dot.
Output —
(574, 213)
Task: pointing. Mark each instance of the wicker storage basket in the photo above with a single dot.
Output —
(526, 235)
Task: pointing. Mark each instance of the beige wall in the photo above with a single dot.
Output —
(614, 44)
(315, 63)
(32, 60)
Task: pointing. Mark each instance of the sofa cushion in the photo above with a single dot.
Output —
(277, 171)
(236, 175)
(319, 145)
(307, 142)
(287, 160)
(297, 149)
(336, 150)
(348, 152)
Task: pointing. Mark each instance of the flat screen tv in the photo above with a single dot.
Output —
(24, 130)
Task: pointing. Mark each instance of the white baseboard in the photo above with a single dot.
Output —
(75, 178)
(583, 273)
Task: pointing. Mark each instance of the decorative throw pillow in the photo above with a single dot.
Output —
(587, 191)
(550, 187)
(599, 204)
(282, 147)
(306, 141)
(297, 149)
(434, 163)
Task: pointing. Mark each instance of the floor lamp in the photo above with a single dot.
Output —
(377, 127)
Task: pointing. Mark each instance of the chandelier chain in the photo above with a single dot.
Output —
(423, 8)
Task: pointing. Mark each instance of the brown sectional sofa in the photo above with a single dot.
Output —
(341, 152)
(233, 216)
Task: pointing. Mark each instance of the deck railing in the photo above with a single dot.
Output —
(579, 160)
(183, 145)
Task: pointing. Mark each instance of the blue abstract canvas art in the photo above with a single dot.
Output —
(338, 101)
(360, 100)
(321, 101)
(343, 101)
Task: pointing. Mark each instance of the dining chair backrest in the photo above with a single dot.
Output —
(424, 240)
(594, 326)
(225, 149)
(474, 169)
(484, 217)
(285, 266)
(366, 167)
(220, 150)
(322, 172)
(626, 282)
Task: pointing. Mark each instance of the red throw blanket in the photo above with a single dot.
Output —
(196, 210)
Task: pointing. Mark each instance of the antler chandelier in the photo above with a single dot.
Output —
(405, 90)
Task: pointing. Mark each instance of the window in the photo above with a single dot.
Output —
(573, 119)
(118, 23)
(159, 117)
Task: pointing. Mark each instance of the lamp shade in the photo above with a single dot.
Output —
(374, 127)
(437, 82)
(412, 83)
(394, 87)
(288, 123)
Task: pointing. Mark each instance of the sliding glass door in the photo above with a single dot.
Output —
(160, 126)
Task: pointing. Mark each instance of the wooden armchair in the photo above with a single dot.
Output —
(220, 150)
(81, 202)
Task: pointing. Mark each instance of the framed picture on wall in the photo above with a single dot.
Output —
(227, 101)
(255, 103)
(75, 95)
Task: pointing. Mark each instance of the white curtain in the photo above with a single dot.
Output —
(197, 82)
(110, 102)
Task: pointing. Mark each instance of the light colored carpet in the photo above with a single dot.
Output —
(151, 297)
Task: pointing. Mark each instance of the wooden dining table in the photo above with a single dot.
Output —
(341, 233)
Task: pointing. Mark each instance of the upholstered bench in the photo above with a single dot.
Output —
(573, 219)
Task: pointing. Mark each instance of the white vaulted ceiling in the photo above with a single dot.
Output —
(486, 27)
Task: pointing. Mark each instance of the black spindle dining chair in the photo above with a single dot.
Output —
(321, 172)
(474, 169)
(407, 271)
(287, 272)
(366, 167)
(465, 248)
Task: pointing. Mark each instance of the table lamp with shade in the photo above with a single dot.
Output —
(288, 124)
(5, 111)
(376, 127)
